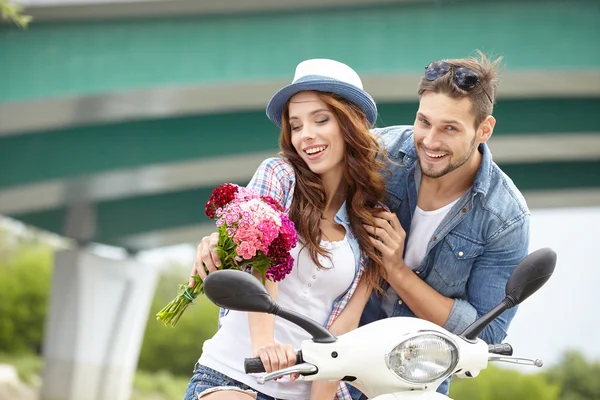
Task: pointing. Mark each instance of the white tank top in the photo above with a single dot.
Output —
(308, 290)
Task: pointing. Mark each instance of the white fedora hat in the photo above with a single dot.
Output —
(323, 75)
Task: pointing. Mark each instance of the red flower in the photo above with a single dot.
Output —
(220, 197)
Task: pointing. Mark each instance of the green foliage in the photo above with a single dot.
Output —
(25, 284)
(28, 366)
(496, 383)
(13, 13)
(146, 385)
(25, 275)
(176, 349)
(159, 386)
(577, 377)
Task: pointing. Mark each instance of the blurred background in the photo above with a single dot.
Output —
(118, 118)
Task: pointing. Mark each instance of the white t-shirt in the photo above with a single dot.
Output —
(423, 225)
(307, 290)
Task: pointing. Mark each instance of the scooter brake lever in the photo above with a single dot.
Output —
(516, 360)
(302, 369)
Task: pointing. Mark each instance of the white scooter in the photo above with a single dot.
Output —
(395, 358)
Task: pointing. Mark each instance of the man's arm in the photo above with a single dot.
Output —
(421, 298)
(387, 235)
(487, 282)
(485, 288)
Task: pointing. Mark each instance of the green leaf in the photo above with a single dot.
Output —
(13, 13)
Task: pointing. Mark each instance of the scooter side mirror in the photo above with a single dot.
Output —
(237, 290)
(530, 275)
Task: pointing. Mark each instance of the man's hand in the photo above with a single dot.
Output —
(207, 259)
(277, 356)
(388, 237)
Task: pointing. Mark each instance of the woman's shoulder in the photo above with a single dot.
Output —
(278, 167)
(277, 163)
(275, 178)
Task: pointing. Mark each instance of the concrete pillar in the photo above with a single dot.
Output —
(95, 326)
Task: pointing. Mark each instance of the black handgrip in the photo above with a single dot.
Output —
(254, 365)
(503, 349)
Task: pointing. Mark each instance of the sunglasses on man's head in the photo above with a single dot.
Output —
(464, 78)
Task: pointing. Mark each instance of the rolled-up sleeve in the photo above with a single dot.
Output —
(462, 315)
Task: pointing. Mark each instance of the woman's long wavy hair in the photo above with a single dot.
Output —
(364, 165)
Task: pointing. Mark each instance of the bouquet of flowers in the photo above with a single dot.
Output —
(254, 232)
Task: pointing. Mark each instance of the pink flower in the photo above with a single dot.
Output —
(248, 234)
(269, 230)
(245, 194)
(246, 250)
(288, 232)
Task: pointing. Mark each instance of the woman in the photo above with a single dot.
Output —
(329, 181)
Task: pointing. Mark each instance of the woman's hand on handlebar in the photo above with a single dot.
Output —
(277, 356)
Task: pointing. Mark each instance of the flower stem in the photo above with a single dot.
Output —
(171, 313)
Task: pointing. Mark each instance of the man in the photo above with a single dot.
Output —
(458, 225)
(467, 224)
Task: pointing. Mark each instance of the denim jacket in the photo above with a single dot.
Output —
(475, 248)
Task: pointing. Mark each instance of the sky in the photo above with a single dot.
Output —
(563, 314)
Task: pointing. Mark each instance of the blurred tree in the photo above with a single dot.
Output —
(177, 349)
(12, 12)
(496, 383)
(26, 263)
(25, 276)
(578, 378)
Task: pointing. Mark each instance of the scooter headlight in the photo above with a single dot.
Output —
(423, 359)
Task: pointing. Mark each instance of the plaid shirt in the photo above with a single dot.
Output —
(275, 178)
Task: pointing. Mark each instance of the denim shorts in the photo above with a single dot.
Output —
(207, 379)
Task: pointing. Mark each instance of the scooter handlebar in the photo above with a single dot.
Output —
(254, 365)
(503, 349)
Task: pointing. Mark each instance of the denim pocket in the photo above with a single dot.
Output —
(210, 377)
(453, 263)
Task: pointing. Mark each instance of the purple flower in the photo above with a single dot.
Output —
(278, 272)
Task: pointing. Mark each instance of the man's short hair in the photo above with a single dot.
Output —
(482, 95)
